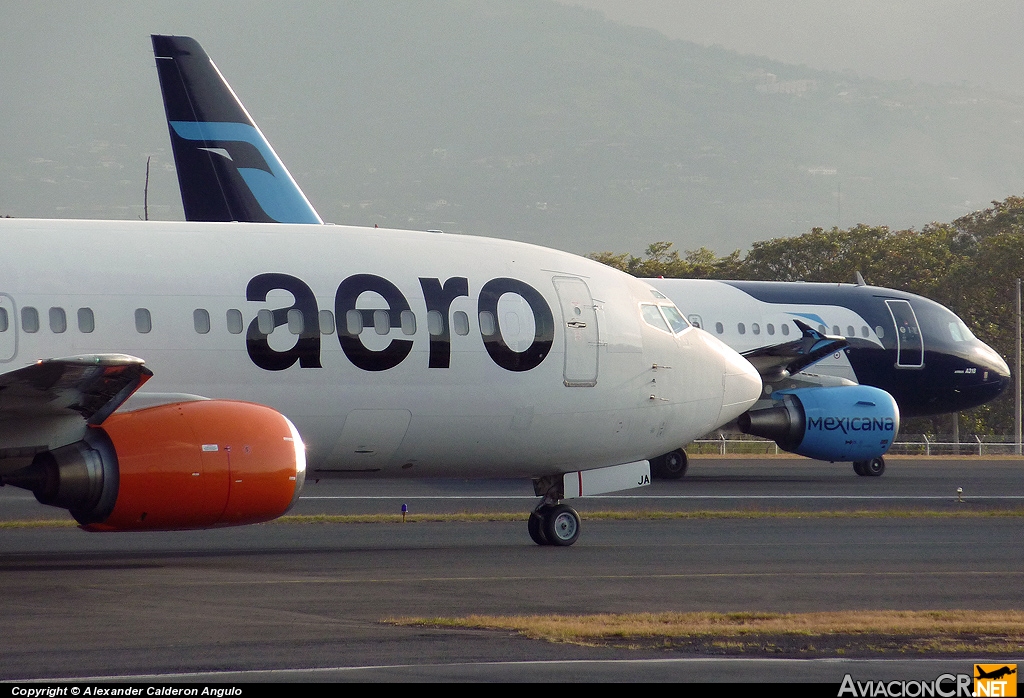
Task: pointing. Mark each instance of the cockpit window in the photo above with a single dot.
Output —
(675, 318)
(652, 316)
(658, 294)
(666, 317)
(960, 332)
(940, 324)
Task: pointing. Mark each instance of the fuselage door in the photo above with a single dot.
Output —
(8, 328)
(579, 319)
(909, 341)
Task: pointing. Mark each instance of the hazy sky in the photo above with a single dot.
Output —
(928, 40)
(80, 108)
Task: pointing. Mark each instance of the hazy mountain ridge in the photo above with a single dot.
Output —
(546, 123)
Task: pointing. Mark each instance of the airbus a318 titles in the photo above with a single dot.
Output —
(840, 363)
(199, 370)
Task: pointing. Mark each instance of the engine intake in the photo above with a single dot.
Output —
(843, 423)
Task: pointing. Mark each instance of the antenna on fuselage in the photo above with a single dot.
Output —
(858, 278)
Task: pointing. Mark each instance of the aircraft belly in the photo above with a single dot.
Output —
(458, 432)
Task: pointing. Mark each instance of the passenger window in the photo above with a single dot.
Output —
(381, 321)
(755, 328)
(822, 329)
(460, 323)
(234, 319)
(850, 332)
(487, 324)
(408, 322)
(835, 330)
(4, 320)
(29, 319)
(265, 321)
(58, 320)
(326, 322)
(771, 328)
(143, 321)
(435, 323)
(719, 328)
(785, 330)
(879, 331)
(864, 331)
(296, 321)
(86, 320)
(652, 316)
(741, 328)
(353, 322)
(201, 320)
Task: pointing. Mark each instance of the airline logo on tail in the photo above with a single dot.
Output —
(245, 148)
(227, 169)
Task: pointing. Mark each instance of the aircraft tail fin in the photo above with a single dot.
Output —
(227, 170)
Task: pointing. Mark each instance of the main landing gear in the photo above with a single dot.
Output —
(670, 466)
(869, 468)
(552, 523)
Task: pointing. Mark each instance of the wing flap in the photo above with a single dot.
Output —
(789, 358)
(92, 386)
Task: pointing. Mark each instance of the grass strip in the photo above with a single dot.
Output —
(631, 515)
(644, 515)
(843, 633)
(40, 523)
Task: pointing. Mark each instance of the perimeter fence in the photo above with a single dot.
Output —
(905, 445)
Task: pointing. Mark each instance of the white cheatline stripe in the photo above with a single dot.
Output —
(683, 496)
(527, 662)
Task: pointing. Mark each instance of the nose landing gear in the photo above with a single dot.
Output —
(870, 468)
(670, 466)
(553, 523)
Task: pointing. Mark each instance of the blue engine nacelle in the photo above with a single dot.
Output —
(844, 423)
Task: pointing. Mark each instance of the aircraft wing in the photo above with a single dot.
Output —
(784, 360)
(92, 386)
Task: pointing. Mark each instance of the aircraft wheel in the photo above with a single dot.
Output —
(874, 467)
(670, 466)
(858, 467)
(536, 528)
(561, 525)
(673, 465)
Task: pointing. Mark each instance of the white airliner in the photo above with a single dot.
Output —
(393, 353)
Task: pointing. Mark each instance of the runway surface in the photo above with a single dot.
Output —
(307, 601)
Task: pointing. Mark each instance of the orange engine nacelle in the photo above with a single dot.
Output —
(185, 465)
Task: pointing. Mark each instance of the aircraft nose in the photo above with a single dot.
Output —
(995, 374)
(985, 377)
(741, 382)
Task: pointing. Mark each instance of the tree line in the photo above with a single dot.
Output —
(969, 265)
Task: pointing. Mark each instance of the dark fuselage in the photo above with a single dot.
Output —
(913, 348)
